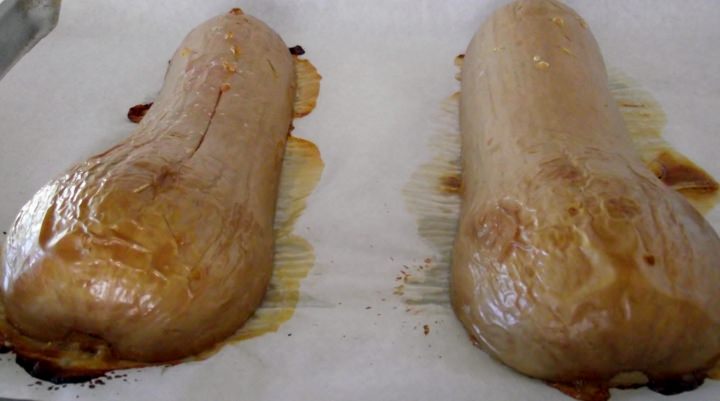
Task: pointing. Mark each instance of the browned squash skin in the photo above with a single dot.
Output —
(572, 260)
(162, 245)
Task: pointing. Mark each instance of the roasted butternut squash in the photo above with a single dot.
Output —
(162, 246)
(572, 261)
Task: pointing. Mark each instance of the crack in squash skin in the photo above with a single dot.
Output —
(572, 262)
(162, 246)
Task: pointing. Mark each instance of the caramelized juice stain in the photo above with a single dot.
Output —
(451, 184)
(583, 391)
(600, 390)
(308, 86)
(684, 176)
(645, 121)
(432, 194)
(294, 256)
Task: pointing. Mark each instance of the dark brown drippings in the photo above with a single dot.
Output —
(583, 390)
(297, 50)
(600, 391)
(459, 61)
(679, 173)
(137, 112)
(632, 105)
(451, 184)
(685, 383)
(53, 373)
(650, 259)
(645, 120)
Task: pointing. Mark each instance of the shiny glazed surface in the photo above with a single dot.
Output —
(572, 260)
(162, 245)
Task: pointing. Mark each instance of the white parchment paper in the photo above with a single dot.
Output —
(387, 65)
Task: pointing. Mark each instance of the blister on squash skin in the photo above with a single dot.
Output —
(433, 196)
(80, 357)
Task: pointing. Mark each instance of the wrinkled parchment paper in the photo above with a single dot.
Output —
(387, 66)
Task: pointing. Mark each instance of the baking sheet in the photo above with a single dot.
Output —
(22, 24)
(387, 66)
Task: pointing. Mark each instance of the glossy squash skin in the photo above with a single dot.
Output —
(162, 246)
(572, 260)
